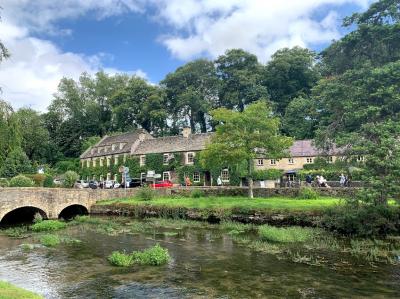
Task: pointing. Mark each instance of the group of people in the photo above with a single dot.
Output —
(344, 181)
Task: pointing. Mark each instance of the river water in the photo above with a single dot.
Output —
(206, 263)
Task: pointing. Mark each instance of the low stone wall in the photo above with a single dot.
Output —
(262, 192)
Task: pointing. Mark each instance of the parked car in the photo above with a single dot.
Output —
(131, 183)
(93, 184)
(80, 184)
(162, 184)
(116, 185)
(58, 182)
(108, 184)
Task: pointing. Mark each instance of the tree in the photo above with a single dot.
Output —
(3, 50)
(240, 74)
(289, 74)
(242, 136)
(300, 120)
(17, 162)
(10, 130)
(192, 90)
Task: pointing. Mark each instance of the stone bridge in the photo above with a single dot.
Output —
(52, 202)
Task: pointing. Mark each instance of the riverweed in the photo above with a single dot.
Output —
(154, 256)
(236, 226)
(374, 251)
(27, 247)
(50, 240)
(48, 225)
(16, 232)
(9, 291)
(285, 234)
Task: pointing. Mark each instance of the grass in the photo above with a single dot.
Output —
(50, 240)
(154, 256)
(48, 225)
(286, 234)
(9, 291)
(274, 204)
(18, 232)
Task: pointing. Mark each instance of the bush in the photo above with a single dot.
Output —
(268, 174)
(363, 220)
(285, 234)
(48, 225)
(70, 177)
(154, 256)
(50, 240)
(146, 193)
(48, 182)
(4, 182)
(120, 259)
(37, 178)
(307, 193)
(37, 218)
(196, 194)
(21, 181)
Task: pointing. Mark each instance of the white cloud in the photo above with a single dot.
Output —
(210, 27)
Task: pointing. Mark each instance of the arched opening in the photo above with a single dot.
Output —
(22, 215)
(72, 211)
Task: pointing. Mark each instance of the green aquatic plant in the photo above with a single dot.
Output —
(120, 259)
(16, 232)
(286, 234)
(154, 256)
(48, 225)
(50, 240)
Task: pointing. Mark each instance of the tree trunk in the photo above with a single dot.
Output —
(250, 178)
(203, 123)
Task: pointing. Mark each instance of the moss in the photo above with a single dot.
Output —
(48, 225)
(8, 291)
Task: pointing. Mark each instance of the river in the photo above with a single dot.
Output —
(206, 263)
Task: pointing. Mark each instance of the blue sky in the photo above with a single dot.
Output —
(50, 39)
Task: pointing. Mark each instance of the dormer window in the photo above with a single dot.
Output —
(92, 151)
(113, 147)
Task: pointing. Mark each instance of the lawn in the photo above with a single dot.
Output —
(271, 204)
(8, 291)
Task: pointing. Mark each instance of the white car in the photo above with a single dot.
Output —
(81, 184)
(108, 184)
(116, 185)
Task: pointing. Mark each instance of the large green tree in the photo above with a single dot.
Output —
(289, 74)
(240, 76)
(241, 136)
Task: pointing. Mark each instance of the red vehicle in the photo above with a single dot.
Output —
(162, 184)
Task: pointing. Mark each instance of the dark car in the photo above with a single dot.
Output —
(131, 183)
(93, 184)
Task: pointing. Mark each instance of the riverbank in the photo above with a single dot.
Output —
(9, 291)
(274, 210)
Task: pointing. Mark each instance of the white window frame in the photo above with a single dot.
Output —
(168, 174)
(196, 177)
(142, 160)
(291, 161)
(113, 147)
(165, 159)
(101, 162)
(329, 159)
(108, 161)
(309, 160)
(94, 162)
(360, 158)
(225, 178)
(187, 158)
(88, 163)
(272, 162)
(260, 162)
(143, 176)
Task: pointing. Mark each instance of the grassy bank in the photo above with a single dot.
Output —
(8, 291)
(275, 204)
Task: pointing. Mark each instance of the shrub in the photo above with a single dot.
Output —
(307, 193)
(21, 181)
(4, 182)
(48, 225)
(268, 174)
(153, 256)
(70, 177)
(363, 220)
(197, 194)
(37, 178)
(48, 182)
(285, 234)
(146, 193)
(50, 240)
(120, 259)
(37, 218)
(17, 232)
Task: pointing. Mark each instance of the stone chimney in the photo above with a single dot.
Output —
(186, 132)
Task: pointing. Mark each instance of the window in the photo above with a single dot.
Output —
(260, 162)
(108, 161)
(165, 159)
(142, 160)
(94, 162)
(101, 162)
(329, 159)
(143, 176)
(272, 162)
(196, 177)
(121, 145)
(360, 158)
(116, 160)
(113, 147)
(189, 158)
(166, 176)
(225, 175)
(309, 160)
(291, 161)
(88, 163)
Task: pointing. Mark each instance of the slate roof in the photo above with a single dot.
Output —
(128, 138)
(170, 144)
(305, 148)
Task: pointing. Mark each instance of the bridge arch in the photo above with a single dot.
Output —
(22, 214)
(72, 210)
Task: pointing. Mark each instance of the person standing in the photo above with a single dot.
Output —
(342, 180)
(309, 180)
(219, 181)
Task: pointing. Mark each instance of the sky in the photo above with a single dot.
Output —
(51, 39)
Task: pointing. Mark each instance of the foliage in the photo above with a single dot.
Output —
(307, 193)
(197, 194)
(16, 232)
(4, 182)
(285, 234)
(120, 259)
(21, 181)
(16, 163)
(70, 178)
(240, 135)
(50, 240)
(362, 220)
(37, 218)
(267, 174)
(146, 193)
(67, 165)
(48, 181)
(48, 225)
(9, 291)
(37, 178)
(154, 256)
